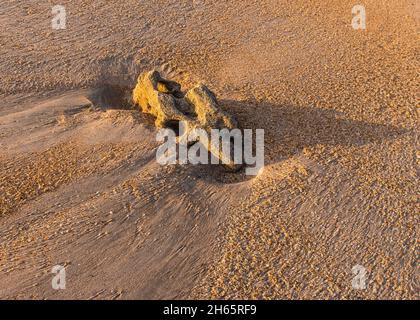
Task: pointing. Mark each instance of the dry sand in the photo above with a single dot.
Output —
(80, 186)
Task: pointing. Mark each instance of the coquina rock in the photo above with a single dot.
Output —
(197, 108)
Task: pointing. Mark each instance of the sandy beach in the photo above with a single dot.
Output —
(80, 186)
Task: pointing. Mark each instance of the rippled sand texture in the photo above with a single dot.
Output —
(80, 186)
